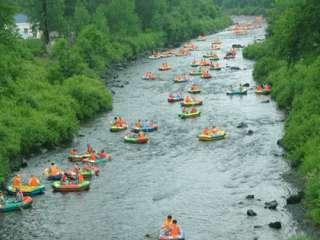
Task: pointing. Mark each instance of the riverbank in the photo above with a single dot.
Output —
(287, 62)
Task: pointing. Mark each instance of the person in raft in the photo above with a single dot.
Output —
(141, 135)
(89, 148)
(166, 224)
(73, 151)
(174, 229)
(16, 181)
(53, 170)
(33, 181)
(102, 154)
(19, 195)
(193, 110)
(93, 156)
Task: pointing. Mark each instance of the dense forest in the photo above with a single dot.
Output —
(289, 60)
(49, 86)
(246, 7)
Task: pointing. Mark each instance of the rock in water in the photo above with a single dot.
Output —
(250, 132)
(250, 196)
(242, 125)
(275, 225)
(271, 205)
(251, 213)
(295, 199)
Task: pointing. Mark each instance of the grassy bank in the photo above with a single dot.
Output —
(289, 60)
(49, 86)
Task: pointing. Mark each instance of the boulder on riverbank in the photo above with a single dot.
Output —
(251, 213)
(271, 205)
(250, 132)
(275, 225)
(295, 199)
(250, 196)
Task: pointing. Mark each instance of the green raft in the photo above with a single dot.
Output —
(12, 205)
(70, 187)
(189, 115)
(118, 129)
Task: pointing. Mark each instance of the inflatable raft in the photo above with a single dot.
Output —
(70, 187)
(27, 190)
(150, 128)
(189, 115)
(118, 129)
(212, 137)
(12, 205)
(98, 160)
(192, 103)
(164, 236)
(136, 140)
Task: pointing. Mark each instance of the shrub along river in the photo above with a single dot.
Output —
(202, 184)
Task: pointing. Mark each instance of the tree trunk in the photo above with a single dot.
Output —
(46, 33)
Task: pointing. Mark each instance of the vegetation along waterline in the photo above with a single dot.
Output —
(289, 60)
(48, 86)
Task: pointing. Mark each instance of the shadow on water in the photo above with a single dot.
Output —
(203, 185)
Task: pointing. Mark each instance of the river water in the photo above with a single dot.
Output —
(202, 184)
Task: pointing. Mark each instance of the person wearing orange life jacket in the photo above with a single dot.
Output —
(166, 223)
(214, 130)
(193, 110)
(16, 181)
(187, 99)
(206, 131)
(80, 178)
(174, 229)
(141, 135)
(93, 156)
(53, 170)
(33, 181)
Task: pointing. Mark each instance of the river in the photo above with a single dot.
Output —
(202, 184)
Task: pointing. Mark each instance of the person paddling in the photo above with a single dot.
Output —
(166, 223)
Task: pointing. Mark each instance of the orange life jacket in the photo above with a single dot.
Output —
(80, 178)
(33, 181)
(54, 170)
(174, 230)
(93, 157)
(16, 182)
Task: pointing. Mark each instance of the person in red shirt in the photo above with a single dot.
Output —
(102, 154)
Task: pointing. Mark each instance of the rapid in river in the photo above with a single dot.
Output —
(202, 184)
